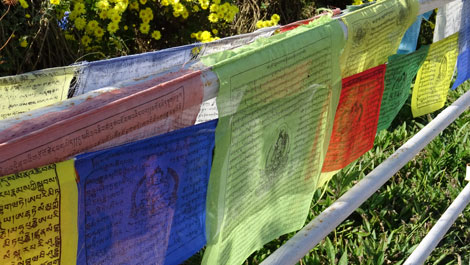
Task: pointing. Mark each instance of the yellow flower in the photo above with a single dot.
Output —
(121, 6)
(145, 20)
(176, 14)
(196, 8)
(24, 5)
(103, 14)
(102, 5)
(126, 27)
(86, 40)
(215, 31)
(143, 2)
(229, 17)
(185, 14)
(156, 34)
(178, 7)
(27, 15)
(55, 2)
(116, 18)
(112, 13)
(204, 4)
(223, 8)
(146, 14)
(268, 23)
(214, 8)
(213, 17)
(259, 24)
(275, 18)
(79, 8)
(149, 13)
(144, 28)
(164, 3)
(80, 23)
(92, 24)
(23, 42)
(99, 32)
(112, 27)
(217, 2)
(357, 2)
(134, 5)
(205, 35)
(73, 15)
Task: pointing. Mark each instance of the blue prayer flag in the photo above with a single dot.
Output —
(144, 202)
(410, 39)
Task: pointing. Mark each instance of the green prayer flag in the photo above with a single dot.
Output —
(401, 70)
(276, 102)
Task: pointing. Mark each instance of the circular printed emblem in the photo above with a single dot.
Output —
(350, 118)
(359, 36)
(155, 191)
(278, 154)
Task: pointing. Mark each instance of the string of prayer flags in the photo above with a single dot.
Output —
(144, 202)
(356, 118)
(374, 34)
(434, 77)
(25, 92)
(99, 74)
(40, 118)
(38, 210)
(463, 60)
(400, 73)
(448, 20)
(410, 39)
(276, 106)
(161, 108)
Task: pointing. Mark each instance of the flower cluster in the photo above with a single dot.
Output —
(220, 12)
(93, 20)
(205, 36)
(268, 23)
(112, 26)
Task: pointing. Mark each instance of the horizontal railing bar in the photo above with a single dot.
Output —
(430, 241)
(307, 238)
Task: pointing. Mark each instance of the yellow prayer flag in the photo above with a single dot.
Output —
(434, 77)
(374, 33)
(38, 216)
(25, 92)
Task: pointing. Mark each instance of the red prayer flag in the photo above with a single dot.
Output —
(356, 118)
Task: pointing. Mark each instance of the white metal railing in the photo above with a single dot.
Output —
(438, 231)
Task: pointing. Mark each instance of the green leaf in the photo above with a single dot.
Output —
(344, 258)
(330, 251)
